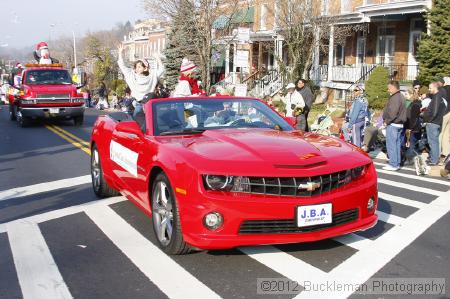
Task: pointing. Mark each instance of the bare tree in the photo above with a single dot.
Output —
(204, 14)
(305, 28)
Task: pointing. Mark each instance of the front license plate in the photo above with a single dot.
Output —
(54, 110)
(313, 215)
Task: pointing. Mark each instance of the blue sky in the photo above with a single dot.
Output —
(27, 22)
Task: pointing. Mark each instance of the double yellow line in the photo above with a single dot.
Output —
(74, 140)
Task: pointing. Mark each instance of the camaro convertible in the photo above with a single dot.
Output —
(221, 172)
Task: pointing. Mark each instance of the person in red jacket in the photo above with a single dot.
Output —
(187, 79)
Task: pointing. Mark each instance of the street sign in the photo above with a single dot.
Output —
(241, 58)
(240, 90)
(243, 34)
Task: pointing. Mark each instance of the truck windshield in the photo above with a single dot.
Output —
(47, 77)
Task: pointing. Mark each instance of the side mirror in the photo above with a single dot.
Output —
(130, 127)
(291, 120)
(81, 85)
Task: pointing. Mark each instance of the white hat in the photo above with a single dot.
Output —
(447, 80)
(187, 65)
(290, 85)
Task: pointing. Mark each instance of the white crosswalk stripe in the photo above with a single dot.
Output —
(389, 218)
(284, 263)
(401, 200)
(37, 272)
(31, 252)
(415, 177)
(170, 277)
(354, 241)
(411, 187)
(44, 187)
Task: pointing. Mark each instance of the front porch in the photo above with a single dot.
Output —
(353, 74)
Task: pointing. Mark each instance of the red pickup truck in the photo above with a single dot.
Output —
(44, 92)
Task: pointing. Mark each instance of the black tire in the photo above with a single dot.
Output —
(23, 121)
(99, 184)
(12, 112)
(176, 244)
(78, 120)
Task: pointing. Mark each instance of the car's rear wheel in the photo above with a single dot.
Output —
(101, 187)
(12, 112)
(166, 218)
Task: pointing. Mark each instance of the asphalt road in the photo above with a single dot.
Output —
(57, 240)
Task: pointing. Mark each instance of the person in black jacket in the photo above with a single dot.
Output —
(413, 127)
(394, 115)
(447, 87)
(308, 97)
(433, 117)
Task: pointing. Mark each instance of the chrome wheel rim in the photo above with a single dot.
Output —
(162, 213)
(95, 170)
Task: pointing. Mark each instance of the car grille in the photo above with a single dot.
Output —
(300, 186)
(286, 226)
(48, 98)
(54, 95)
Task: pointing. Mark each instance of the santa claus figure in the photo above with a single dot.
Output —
(42, 54)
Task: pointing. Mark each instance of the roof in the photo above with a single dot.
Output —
(245, 15)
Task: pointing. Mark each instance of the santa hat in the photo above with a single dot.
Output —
(19, 65)
(41, 45)
(187, 65)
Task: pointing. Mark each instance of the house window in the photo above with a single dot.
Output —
(346, 6)
(263, 18)
(386, 49)
(415, 36)
(360, 50)
(339, 58)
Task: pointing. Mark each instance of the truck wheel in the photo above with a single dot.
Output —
(78, 120)
(101, 187)
(12, 112)
(166, 218)
(22, 121)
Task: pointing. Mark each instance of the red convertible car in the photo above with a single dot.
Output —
(223, 172)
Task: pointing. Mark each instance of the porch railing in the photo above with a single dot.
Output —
(352, 74)
(402, 72)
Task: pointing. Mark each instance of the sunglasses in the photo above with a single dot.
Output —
(355, 90)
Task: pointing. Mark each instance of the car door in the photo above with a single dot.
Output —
(127, 153)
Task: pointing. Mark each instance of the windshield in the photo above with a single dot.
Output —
(48, 77)
(194, 116)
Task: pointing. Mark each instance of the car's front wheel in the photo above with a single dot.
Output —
(12, 112)
(101, 187)
(166, 218)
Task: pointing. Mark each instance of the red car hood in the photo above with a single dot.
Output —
(271, 148)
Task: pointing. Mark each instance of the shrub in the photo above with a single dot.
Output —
(376, 88)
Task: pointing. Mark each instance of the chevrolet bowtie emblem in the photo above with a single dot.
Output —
(308, 156)
(309, 186)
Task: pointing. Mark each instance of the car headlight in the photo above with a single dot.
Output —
(358, 172)
(78, 100)
(218, 182)
(226, 183)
